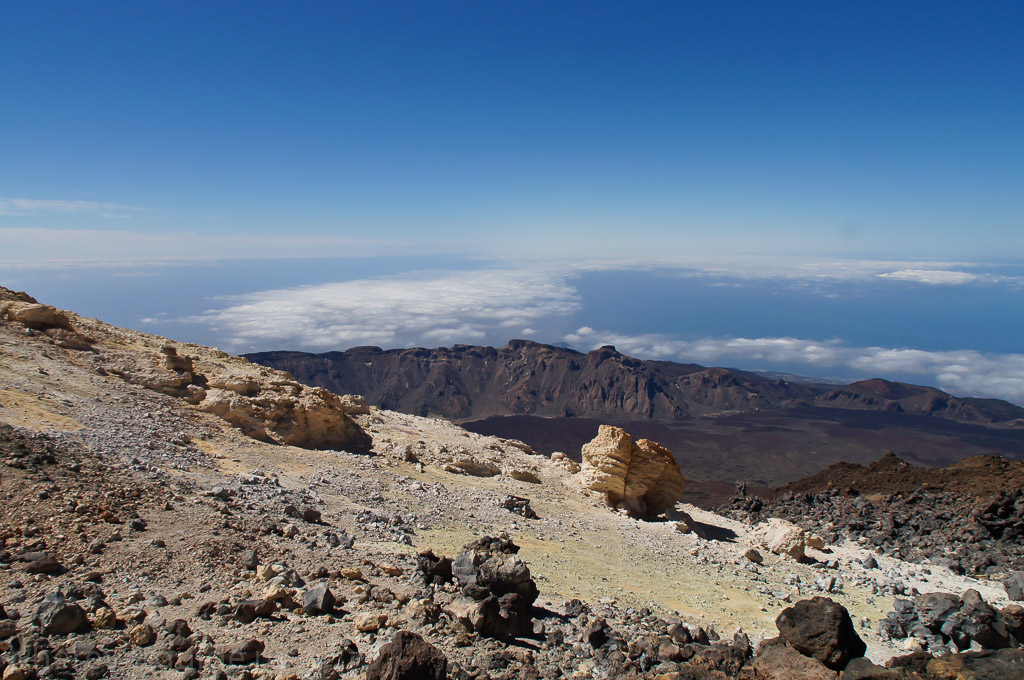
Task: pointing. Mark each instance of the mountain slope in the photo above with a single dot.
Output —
(527, 378)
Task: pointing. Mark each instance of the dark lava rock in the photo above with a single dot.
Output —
(47, 564)
(408, 657)
(318, 600)
(243, 653)
(434, 570)
(497, 590)
(982, 623)
(596, 633)
(821, 628)
(1015, 586)
(179, 627)
(520, 506)
(862, 669)
(348, 658)
(305, 513)
(574, 608)
(56, 616)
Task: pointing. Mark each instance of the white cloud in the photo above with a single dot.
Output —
(935, 277)
(423, 308)
(960, 372)
(30, 206)
(822, 272)
(27, 248)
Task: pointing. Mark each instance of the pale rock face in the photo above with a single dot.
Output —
(781, 537)
(37, 316)
(643, 477)
(314, 418)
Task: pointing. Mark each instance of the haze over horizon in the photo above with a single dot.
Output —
(830, 190)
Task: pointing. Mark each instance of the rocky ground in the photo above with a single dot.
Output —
(968, 516)
(145, 535)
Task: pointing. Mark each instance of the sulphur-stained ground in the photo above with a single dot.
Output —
(160, 505)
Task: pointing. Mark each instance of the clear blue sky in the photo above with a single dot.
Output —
(823, 187)
(878, 129)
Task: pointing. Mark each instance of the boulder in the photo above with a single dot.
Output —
(37, 316)
(1002, 664)
(520, 506)
(142, 635)
(982, 623)
(47, 564)
(642, 477)
(369, 622)
(821, 628)
(497, 591)
(346, 659)
(1014, 585)
(288, 413)
(407, 656)
(318, 599)
(242, 653)
(781, 537)
(56, 616)
(777, 661)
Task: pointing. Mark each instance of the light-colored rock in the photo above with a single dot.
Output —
(815, 541)
(286, 413)
(104, 618)
(355, 404)
(643, 477)
(781, 537)
(36, 315)
(523, 475)
(15, 672)
(565, 462)
(369, 622)
(467, 465)
(278, 593)
(142, 635)
(468, 612)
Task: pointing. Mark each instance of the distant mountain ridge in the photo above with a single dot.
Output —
(465, 382)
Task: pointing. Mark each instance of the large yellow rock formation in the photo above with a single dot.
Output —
(641, 477)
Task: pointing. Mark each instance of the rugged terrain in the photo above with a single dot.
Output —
(171, 511)
(723, 425)
(968, 516)
(527, 378)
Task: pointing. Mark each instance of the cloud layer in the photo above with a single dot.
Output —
(417, 309)
(31, 248)
(960, 372)
(30, 206)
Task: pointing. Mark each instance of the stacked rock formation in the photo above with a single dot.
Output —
(640, 477)
(497, 591)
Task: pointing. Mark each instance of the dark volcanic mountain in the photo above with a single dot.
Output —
(526, 378)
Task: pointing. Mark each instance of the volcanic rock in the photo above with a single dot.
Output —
(1014, 585)
(777, 661)
(318, 599)
(821, 628)
(643, 477)
(56, 616)
(242, 653)
(407, 656)
(497, 591)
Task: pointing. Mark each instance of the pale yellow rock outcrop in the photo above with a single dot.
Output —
(642, 477)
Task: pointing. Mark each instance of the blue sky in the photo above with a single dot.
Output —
(864, 162)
